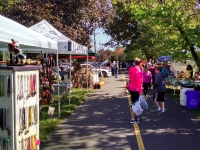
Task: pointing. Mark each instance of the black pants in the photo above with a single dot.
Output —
(146, 88)
(153, 80)
(134, 96)
(113, 71)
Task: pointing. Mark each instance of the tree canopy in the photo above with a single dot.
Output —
(174, 25)
(77, 19)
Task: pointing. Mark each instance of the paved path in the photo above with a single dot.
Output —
(102, 123)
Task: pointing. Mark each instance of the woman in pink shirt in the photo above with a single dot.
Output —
(135, 85)
(147, 80)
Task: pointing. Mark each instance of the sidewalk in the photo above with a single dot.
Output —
(102, 123)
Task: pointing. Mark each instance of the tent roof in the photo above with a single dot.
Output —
(27, 38)
(164, 58)
(64, 43)
(46, 29)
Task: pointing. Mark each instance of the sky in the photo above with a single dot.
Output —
(101, 38)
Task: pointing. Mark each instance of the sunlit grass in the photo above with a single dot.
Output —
(46, 127)
(48, 123)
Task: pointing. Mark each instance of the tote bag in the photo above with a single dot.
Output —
(137, 109)
(143, 102)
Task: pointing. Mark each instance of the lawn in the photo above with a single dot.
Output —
(48, 123)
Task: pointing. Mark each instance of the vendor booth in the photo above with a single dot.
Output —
(182, 82)
(27, 38)
(65, 46)
(19, 88)
(164, 58)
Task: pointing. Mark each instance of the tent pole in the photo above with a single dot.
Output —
(87, 72)
(70, 82)
(57, 70)
(57, 61)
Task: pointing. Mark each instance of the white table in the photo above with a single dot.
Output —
(61, 89)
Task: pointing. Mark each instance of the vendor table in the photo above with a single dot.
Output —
(171, 80)
(61, 89)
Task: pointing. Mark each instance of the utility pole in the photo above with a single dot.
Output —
(95, 48)
(100, 45)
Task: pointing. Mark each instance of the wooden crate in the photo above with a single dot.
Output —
(98, 85)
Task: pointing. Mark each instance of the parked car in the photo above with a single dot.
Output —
(105, 65)
(105, 71)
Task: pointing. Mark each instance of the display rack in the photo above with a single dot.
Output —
(46, 79)
(19, 107)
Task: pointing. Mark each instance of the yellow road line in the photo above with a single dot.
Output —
(135, 126)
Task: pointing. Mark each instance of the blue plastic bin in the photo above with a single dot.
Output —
(193, 99)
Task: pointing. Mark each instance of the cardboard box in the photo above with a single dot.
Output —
(98, 85)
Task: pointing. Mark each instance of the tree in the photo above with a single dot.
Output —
(122, 28)
(104, 55)
(119, 54)
(4, 3)
(125, 31)
(77, 19)
(175, 24)
(130, 55)
(146, 43)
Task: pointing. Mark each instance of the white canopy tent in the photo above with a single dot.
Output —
(65, 45)
(27, 38)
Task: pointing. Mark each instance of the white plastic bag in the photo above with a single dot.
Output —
(137, 109)
(143, 102)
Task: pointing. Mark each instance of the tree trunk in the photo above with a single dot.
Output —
(192, 50)
(195, 56)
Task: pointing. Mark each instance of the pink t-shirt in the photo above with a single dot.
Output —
(147, 77)
(135, 78)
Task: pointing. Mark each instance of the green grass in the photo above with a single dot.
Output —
(46, 127)
(48, 123)
(176, 97)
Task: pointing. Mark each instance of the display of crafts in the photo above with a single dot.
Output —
(22, 104)
(46, 79)
(5, 85)
(15, 50)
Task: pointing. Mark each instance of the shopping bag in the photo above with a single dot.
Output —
(143, 102)
(137, 109)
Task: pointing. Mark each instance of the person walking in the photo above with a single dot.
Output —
(149, 63)
(112, 68)
(159, 91)
(152, 69)
(116, 68)
(135, 86)
(147, 80)
(164, 70)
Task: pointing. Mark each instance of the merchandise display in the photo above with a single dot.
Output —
(46, 79)
(15, 52)
(19, 107)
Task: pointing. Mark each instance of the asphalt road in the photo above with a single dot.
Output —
(102, 122)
